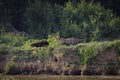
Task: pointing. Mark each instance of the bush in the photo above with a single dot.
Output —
(27, 44)
(10, 68)
(12, 39)
(4, 50)
(87, 53)
(42, 53)
(53, 40)
(87, 20)
(65, 50)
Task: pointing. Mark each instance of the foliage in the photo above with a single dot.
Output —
(65, 50)
(20, 55)
(10, 68)
(42, 54)
(95, 35)
(85, 20)
(40, 19)
(11, 42)
(87, 51)
(12, 39)
(84, 53)
(27, 44)
(53, 40)
(91, 20)
(4, 50)
(87, 54)
(74, 18)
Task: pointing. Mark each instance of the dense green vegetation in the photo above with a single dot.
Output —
(83, 54)
(79, 19)
(30, 21)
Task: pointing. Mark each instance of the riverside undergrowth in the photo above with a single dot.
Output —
(18, 49)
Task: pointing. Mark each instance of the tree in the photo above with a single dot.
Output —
(11, 12)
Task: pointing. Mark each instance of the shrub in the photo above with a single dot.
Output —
(10, 68)
(87, 53)
(4, 50)
(12, 39)
(42, 53)
(65, 50)
(27, 44)
(53, 40)
(80, 20)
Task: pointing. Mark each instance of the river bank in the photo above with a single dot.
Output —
(94, 58)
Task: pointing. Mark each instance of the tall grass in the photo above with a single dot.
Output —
(12, 39)
(16, 48)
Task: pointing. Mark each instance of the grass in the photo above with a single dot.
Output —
(16, 47)
(19, 45)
